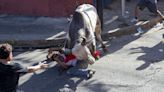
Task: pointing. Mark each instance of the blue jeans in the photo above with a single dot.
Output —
(79, 70)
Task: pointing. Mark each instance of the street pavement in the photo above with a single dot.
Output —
(133, 64)
(17, 27)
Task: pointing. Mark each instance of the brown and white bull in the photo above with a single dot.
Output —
(85, 28)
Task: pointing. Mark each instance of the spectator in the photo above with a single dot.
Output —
(10, 71)
(150, 4)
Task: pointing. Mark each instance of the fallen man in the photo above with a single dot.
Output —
(74, 66)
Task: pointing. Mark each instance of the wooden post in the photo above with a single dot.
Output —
(123, 8)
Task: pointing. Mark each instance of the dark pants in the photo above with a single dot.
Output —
(152, 7)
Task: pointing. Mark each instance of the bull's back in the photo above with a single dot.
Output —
(89, 14)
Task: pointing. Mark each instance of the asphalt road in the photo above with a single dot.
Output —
(133, 64)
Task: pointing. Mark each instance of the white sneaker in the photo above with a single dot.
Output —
(133, 20)
(139, 31)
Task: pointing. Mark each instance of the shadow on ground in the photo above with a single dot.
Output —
(118, 43)
(51, 81)
(151, 55)
(48, 81)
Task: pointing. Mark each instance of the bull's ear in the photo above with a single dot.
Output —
(69, 19)
(83, 41)
(87, 32)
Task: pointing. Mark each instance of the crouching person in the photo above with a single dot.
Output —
(10, 71)
(76, 64)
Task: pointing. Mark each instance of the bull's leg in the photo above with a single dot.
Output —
(98, 35)
(67, 43)
(92, 47)
(67, 47)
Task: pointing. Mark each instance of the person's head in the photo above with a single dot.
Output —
(55, 56)
(6, 52)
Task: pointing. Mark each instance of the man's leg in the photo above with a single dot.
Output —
(160, 14)
(81, 70)
(154, 9)
(136, 12)
(78, 72)
(139, 7)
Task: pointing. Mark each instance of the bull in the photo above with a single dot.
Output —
(85, 28)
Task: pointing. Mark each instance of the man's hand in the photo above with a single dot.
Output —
(37, 67)
(43, 65)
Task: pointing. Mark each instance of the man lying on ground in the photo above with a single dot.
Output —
(75, 67)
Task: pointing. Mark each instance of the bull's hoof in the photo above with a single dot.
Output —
(105, 50)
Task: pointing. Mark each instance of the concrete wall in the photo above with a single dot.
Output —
(57, 8)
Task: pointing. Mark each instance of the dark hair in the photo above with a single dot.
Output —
(5, 50)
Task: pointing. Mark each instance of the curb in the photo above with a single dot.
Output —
(36, 44)
(131, 29)
(59, 43)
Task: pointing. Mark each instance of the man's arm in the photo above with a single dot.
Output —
(31, 69)
(62, 64)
